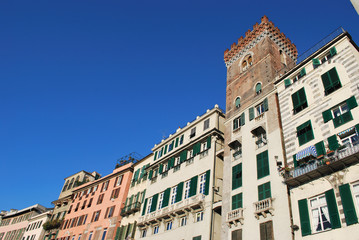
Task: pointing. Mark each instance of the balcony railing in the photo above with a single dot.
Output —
(179, 208)
(331, 162)
(235, 216)
(263, 207)
(237, 154)
(132, 208)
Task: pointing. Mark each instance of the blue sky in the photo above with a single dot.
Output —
(84, 83)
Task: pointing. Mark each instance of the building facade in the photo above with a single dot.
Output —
(256, 204)
(184, 186)
(319, 109)
(94, 211)
(35, 230)
(135, 198)
(15, 222)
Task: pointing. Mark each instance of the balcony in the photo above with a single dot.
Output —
(237, 154)
(129, 209)
(259, 117)
(187, 205)
(235, 216)
(332, 162)
(263, 207)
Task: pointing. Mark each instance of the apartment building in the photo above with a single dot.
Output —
(320, 115)
(95, 208)
(62, 204)
(15, 222)
(184, 183)
(255, 203)
(136, 194)
(35, 228)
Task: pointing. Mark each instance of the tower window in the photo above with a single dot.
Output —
(238, 102)
(258, 88)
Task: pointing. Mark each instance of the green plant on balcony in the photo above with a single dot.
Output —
(52, 224)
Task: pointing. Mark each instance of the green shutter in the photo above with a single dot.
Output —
(166, 197)
(193, 186)
(238, 102)
(295, 160)
(171, 163)
(304, 217)
(331, 81)
(333, 142)
(287, 82)
(302, 72)
(235, 124)
(143, 171)
(333, 209)
(143, 195)
(357, 128)
(150, 174)
(196, 148)
(320, 148)
(135, 177)
(206, 186)
(209, 139)
(118, 233)
(242, 119)
(315, 61)
(264, 191)
(262, 165)
(165, 151)
(155, 156)
(265, 104)
(179, 192)
(299, 100)
(237, 201)
(176, 142)
(327, 115)
(160, 168)
(144, 207)
(183, 156)
(258, 87)
(154, 203)
(352, 102)
(251, 114)
(305, 136)
(333, 51)
(237, 176)
(348, 204)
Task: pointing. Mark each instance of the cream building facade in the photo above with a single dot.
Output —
(35, 230)
(184, 186)
(319, 109)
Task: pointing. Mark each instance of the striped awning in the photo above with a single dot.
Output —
(349, 130)
(309, 151)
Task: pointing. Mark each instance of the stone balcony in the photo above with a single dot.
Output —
(191, 204)
(129, 209)
(264, 207)
(235, 217)
(328, 164)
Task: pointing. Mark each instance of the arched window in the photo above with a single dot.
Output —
(65, 187)
(249, 60)
(258, 88)
(70, 185)
(244, 64)
(238, 102)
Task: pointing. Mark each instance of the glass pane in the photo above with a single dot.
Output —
(336, 112)
(344, 108)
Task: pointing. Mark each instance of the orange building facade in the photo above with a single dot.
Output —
(94, 213)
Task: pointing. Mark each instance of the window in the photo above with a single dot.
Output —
(181, 140)
(100, 198)
(84, 204)
(262, 165)
(239, 121)
(341, 113)
(104, 186)
(332, 52)
(104, 234)
(305, 133)
(264, 191)
(238, 102)
(119, 180)
(79, 237)
(258, 88)
(169, 225)
(199, 216)
(193, 133)
(261, 139)
(202, 183)
(206, 124)
(259, 109)
(170, 146)
(161, 200)
(351, 140)
(237, 176)
(143, 233)
(299, 101)
(115, 193)
(183, 221)
(237, 234)
(90, 202)
(186, 189)
(266, 230)
(173, 195)
(77, 207)
(356, 193)
(197, 237)
(90, 236)
(149, 205)
(96, 216)
(331, 81)
(109, 212)
(155, 229)
(319, 213)
(237, 201)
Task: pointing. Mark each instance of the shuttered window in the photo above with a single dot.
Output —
(154, 203)
(251, 113)
(305, 133)
(179, 192)
(237, 234)
(237, 176)
(319, 147)
(266, 231)
(304, 217)
(333, 142)
(287, 82)
(299, 100)
(206, 185)
(166, 197)
(193, 186)
(237, 201)
(348, 204)
(238, 102)
(331, 81)
(262, 165)
(332, 209)
(264, 191)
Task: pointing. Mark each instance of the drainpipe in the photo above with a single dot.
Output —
(212, 188)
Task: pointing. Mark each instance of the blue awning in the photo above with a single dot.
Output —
(306, 152)
(345, 132)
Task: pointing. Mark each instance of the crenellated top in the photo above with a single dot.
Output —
(265, 28)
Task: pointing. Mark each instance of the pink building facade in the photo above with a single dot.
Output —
(94, 213)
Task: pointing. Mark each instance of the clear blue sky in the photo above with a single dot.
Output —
(84, 83)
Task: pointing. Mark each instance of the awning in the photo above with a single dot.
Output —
(309, 151)
(346, 133)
